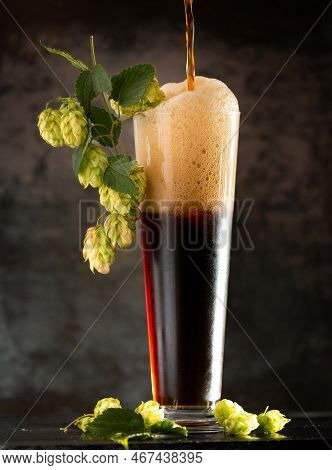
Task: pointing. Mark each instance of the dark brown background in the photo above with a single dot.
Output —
(280, 291)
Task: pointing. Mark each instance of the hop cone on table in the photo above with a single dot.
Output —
(152, 97)
(84, 422)
(98, 249)
(93, 167)
(49, 122)
(114, 201)
(120, 229)
(224, 409)
(74, 124)
(104, 404)
(272, 421)
(240, 423)
(137, 175)
(151, 412)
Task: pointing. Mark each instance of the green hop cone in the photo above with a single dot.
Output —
(93, 167)
(224, 409)
(84, 422)
(74, 124)
(69, 104)
(272, 421)
(151, 413)
(120, 229)
(114, 201)
(240, 423)
(137, 175)
(49, 122)
(151, 98)
(105, 404)
(98, 249)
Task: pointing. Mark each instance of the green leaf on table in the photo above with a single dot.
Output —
(79, 153)
(106, 127)
(115, 421)
(169, 427)
(77, 63)
(130, 85)
(101, 80)
(117, 174)
(84, 90)
(124, 438)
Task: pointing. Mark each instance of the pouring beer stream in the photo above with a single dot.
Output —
(190, 39)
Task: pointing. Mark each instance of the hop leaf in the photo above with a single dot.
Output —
(98, 250)
(152, 97)
(240, 423)
(77, 63)
(114, 201)
(137, 175)
(49, 122)
(123, 439)
(117, 174)
(106, 128)
(101, 80)
(120, 229)
(84, 90)
(93, 167)
(113, 421)
(130, 85)
(272, 421)
(74, 124)
(224, 409)
(151, 413)
(169, 427)
(105, 404)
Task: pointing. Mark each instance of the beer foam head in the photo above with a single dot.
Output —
(188, 144)
(209, 92)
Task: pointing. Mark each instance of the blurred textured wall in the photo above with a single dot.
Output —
(280, 292)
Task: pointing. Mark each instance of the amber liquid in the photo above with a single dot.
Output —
(186, 261)
(190, 38)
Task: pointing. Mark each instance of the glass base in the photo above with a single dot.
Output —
(197, 420)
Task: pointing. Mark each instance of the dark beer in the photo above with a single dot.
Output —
(186, 259)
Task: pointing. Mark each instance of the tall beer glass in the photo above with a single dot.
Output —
(186, 236)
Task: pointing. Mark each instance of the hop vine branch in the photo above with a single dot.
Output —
(94, 132)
